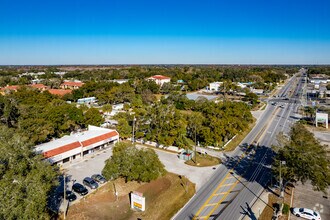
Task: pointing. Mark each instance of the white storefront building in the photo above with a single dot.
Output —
(77, 145)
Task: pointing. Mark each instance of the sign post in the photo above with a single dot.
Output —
(321, 118)
(138, 201)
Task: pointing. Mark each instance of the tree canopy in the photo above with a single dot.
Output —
(133, 164)
(25, 179)
(305, 159)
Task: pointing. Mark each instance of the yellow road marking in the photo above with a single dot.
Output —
(229, 184)
(223, 198)
(208, 200)
(258, 136)
(218, 194)
(211, 204)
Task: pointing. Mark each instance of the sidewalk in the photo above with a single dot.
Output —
(258, 206)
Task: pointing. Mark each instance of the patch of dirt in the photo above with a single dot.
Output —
(164, 197)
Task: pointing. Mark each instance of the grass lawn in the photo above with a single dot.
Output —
(164, 197)
(239, 138)
(203, 160)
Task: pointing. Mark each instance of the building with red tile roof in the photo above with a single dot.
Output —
(59, 92)
(8, 89)
(39, 86)
(75, 146)
(71, 85)
(160, 79)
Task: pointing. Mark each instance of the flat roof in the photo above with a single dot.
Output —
(91, 133)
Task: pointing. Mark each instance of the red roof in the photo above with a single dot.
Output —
(99, 138)
(38, 86)
(69, 83)
(62, 149)
(15, 87)
(159, 77)
(60, 92)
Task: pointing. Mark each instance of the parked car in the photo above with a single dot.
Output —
(99, 178)
(306, 213)
(90, 183)
(69, 195)
(80, 189)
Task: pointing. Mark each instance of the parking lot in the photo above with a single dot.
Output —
(305, 197)
(94, 163)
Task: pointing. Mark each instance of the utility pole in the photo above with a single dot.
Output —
(64, 196)
(134, 119)
(195, 145)
(281, 181)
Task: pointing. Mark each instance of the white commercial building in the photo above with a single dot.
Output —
(215, 86)
(77, 145)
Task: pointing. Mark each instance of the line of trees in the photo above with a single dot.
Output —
(204, 121)
(42, 116)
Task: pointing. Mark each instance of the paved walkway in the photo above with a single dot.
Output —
(197, 175)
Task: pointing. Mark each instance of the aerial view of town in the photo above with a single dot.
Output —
(164, 110)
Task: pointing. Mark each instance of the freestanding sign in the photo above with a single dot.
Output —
(322, 118)
(138, 201)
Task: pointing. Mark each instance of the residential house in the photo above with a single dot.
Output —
(71, 85)
(160, 79)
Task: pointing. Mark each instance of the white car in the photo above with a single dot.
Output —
(306, 213)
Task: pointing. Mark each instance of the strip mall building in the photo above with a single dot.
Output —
(76, 146)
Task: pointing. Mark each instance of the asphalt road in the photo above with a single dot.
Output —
(238, 183)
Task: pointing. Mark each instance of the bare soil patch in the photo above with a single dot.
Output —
(164, 197)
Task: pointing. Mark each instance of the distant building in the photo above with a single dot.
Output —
(32, 74)
(8, 89)
(257, 91)
(39, 86)
(75, 146)
(120, 81)
(59, 92)
(160, 79)
(89, 100)
(317, 80)
(60, 73)
(71, 85)
(244, 85)
(215, 86)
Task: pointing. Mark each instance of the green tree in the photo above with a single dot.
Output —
(107, 108)
(93, 117)
(305, 159)
(25, 179)
(132, 164)
(124, 129)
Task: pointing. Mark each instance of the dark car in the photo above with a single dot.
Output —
(80, 189)
(90, 183)
(99, 178)
(69, 195)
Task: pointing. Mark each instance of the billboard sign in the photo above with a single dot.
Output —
(138, 201)
(321, 117)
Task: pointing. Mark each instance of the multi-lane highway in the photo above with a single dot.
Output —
(238, 183)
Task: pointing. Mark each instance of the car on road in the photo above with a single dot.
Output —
(69, 195)
(306, 213)
(90, 183)
(80, 189)
(98, 178)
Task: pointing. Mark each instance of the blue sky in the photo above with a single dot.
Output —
(165, 32)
